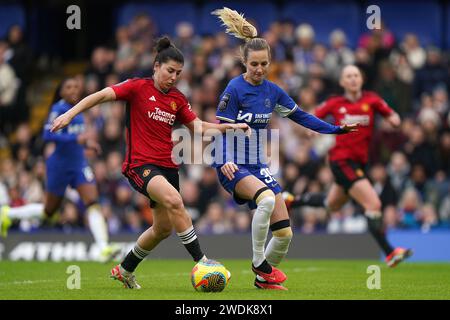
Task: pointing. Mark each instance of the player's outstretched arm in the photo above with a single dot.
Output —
(199, 126)
(312, 122)
(394, 119)
(101, 96)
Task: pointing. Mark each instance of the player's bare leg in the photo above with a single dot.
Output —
(168, 214)
(52, 204)
(336, 198)
(97, 222)
(160, 230)
(147, 241)
(161, 191)
(251, 188)
(363, 192)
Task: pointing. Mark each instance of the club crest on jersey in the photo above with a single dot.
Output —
(365, 107)
(224, 102)
(359, 173)
(173, 105)
(267, 103)
(146, 173)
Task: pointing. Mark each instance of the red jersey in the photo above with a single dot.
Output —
(354, 145)
(151, 115)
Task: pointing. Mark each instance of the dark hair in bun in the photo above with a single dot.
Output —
(163, 43)
(167, 51)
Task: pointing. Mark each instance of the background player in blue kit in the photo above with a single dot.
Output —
(251, 99)
(66, 166)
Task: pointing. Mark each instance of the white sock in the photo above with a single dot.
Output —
(97, 225)
(260, 228)
(29, 211)
(188, 235)
(277, 249)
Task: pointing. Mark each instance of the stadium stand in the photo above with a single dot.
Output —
(325, 16)
(411, 76)
(429, 32)
(11, 14)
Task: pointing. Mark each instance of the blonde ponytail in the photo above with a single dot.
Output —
(242, 29)
(236, 24)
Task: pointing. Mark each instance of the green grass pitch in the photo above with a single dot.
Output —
(170, 279)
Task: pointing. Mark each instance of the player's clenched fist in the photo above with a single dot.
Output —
(228, 169)
(61, 122)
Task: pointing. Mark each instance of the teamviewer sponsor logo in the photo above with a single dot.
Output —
(162, 116)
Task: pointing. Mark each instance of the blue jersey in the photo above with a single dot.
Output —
(242, 102)
(67, 165)
(68, 152)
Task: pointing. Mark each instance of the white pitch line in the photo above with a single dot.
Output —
(27, 282)
(309, 269)
(181, 274)
(31, 282)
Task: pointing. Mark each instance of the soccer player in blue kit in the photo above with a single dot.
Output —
(251, 99)
(67, 165)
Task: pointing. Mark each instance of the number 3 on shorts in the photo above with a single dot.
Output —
(266, 173)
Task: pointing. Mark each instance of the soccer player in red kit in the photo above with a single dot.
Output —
(349, 156)
(153, 106)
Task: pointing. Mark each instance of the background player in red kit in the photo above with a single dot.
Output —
(153, 106)
(349, 157)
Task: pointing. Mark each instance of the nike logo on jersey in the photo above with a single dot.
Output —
(152, 98)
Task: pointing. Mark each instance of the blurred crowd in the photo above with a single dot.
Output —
(410, 166)
(16, 61)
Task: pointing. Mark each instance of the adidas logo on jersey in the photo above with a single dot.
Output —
(152, 98)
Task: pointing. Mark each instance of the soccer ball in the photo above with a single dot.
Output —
(209, 276)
